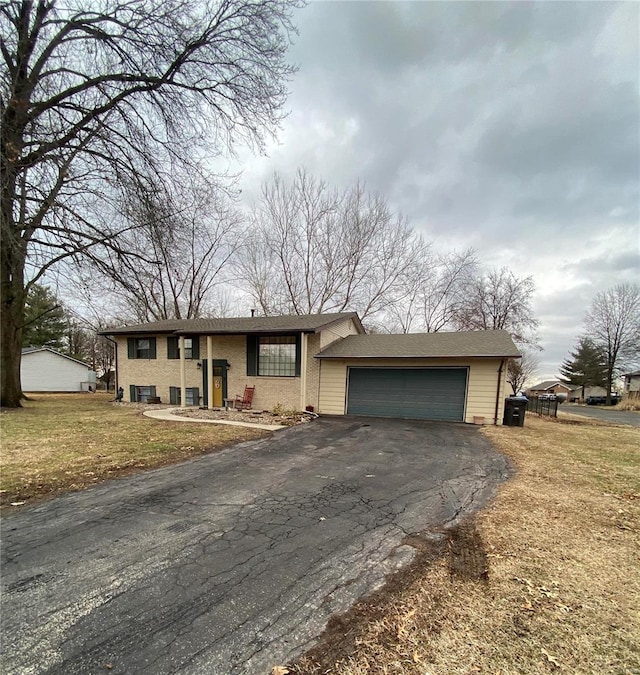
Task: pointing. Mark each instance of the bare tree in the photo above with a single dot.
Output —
(314, 249)
(91, 94)
(498, 300)
(613, 324)
(191, 231)
(520, 371)
(436, 287)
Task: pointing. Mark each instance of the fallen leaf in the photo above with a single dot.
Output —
(280, 670)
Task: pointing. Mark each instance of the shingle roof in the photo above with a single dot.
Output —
(547, 384)
(307, 323)
(494, 343)
(31, 350)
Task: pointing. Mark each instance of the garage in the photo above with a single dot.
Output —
(409, 393)
(453, 377)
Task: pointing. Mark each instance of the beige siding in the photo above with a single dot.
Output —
(333, 387)
(481, 385)
(336, 331)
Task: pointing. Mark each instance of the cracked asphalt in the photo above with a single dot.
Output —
(233, 562)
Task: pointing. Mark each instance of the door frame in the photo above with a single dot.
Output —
(217, 363)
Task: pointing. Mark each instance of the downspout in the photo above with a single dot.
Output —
(115, 351)
(495, 416)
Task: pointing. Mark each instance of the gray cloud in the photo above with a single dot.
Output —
(512, 127)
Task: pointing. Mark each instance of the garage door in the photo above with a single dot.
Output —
(410, 393)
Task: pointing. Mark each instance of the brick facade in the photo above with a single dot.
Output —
(270, 392)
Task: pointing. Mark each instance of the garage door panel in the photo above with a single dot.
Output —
(410, 393)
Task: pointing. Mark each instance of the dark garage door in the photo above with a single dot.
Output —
(411, 393)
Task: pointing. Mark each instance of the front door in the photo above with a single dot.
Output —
(219, 382)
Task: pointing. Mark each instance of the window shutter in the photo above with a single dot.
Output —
(195, 346)
(132, 392)
(196, 396)
(152, 348)
(252, 355)
(298, 353)
(131, 348)
(172, 347)
(173, 395)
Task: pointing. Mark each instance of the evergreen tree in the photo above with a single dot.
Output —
(45, 321)
(586, 365)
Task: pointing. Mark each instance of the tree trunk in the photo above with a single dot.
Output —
(609, 383)
(12, 299)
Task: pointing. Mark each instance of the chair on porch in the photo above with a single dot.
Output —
(244, 402)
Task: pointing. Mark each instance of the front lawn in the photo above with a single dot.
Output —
(546, 580)
(61, 442)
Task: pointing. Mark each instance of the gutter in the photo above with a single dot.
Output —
(115, 352)
(495, 415)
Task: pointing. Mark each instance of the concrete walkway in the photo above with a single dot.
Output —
(169, 415)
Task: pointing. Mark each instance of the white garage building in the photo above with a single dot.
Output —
(45, 369)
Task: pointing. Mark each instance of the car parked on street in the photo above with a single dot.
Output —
(602, 400)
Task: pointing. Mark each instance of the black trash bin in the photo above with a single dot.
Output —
(514, 409)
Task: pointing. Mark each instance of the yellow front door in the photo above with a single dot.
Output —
(217, 391)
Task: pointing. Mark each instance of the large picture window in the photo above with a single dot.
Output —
(273, 355)
(277, 356)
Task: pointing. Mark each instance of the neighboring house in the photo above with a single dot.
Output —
(631, 382)
(549, 387)
(45, 369)
(324, 362)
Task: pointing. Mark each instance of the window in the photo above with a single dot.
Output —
(273, 355)
(191, 347)
(277, 356)
(192, 396)
(141, 348)
(140, 394)
(188, 348)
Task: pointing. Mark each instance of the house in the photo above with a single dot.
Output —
(323, 362)
(45, 369)
(550, 387)
(631, 385)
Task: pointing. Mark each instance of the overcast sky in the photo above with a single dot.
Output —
(510, 127)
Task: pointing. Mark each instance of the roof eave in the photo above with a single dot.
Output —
(418, 356)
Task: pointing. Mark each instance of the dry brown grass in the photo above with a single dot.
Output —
(562, 541)
(61, 442)
(632, 404)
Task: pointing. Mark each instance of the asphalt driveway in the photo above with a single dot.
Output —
(233, 562)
